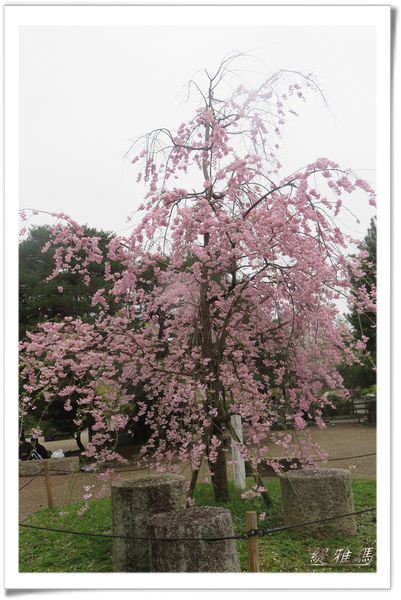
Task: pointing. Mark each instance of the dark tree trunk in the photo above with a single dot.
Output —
(219, 477)
(194, 479)
(77, 437)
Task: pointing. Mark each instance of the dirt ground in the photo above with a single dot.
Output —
(340, 440)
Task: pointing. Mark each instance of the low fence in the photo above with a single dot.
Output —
(251, 533)
(28, 468)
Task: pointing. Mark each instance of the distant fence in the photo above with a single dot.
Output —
(361, 409)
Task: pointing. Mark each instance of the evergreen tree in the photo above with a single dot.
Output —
(41, 299)
(364, 323)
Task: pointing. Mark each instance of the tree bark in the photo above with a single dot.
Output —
(219, 476)
(194, 479)
(77, 437)
(218, 469)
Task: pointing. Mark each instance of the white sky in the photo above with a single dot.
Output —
(86, 92)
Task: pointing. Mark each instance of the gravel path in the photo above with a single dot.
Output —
(341, 440)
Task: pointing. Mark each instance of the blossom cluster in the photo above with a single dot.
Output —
(229, 292)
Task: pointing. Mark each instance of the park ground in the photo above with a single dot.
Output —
(340, 442)
(286, 551)
(283, 551)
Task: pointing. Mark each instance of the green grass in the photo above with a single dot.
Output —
(287, 551)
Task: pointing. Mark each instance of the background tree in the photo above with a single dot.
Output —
(363, 322)
(248, 264)
(41, 299)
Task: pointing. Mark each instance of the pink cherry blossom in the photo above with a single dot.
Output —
(240, 315)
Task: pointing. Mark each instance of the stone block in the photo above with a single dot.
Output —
(133, 503)
(314, 494)
(194, 556)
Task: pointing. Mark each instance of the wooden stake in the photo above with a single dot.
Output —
(253, 542)
(48, 485)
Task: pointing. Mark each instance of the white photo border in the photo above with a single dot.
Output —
(17, 16)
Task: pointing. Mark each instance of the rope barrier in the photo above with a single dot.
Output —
(64, 472)
(262, 532)
(243, 536)
(347, 457)
(28, 482)
(137, 539)
(317, 460)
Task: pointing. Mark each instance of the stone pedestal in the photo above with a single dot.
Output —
(133, 503)
(313, 494)
(194, 556)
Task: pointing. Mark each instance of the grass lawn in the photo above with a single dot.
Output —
(287, 551)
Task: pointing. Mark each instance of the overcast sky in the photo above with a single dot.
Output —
(86, 92)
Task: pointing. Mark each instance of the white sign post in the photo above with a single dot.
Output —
(238, 462)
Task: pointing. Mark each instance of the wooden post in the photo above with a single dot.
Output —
(48, 485)
(253, 542)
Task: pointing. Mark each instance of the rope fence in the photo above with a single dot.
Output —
(129, 470)
(346, 457)
(243, 536)
(262, 532)
(30, 481)
(46, 472)
(251, 534)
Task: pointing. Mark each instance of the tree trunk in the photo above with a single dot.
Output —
(77, 437)
(194, 479)
(219, 476)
